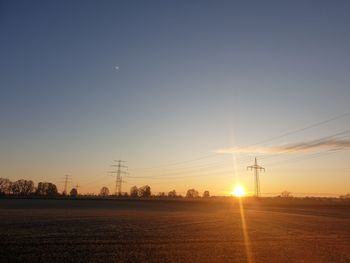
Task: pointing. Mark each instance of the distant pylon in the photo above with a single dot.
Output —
(118, 178)
(66, 179)
(256, 169)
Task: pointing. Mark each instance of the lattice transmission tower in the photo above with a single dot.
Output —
(118, 176)
(67, 179)
(256, 169)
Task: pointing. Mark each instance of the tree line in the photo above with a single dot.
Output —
(145, 191)
(24, 188)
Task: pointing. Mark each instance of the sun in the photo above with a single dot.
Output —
(238, 191)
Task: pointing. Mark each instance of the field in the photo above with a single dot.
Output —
(269, 230)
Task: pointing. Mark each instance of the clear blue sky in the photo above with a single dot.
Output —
(194, 77)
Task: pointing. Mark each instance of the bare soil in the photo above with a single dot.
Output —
(174, 231)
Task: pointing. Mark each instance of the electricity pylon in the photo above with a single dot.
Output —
(66, 180)
(256, 169)
(118, 178)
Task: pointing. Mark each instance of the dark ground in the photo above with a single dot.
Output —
(173, 231)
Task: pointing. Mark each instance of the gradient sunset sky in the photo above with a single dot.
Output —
(202, 88)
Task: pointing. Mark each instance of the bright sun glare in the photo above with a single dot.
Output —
(238, 191)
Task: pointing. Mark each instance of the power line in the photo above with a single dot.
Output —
(199, 167)
(344, 133)
(197, 170)
(172, 175)
(316, 124)
(185, 167)
(313, 125)
(183, 176)
(303, 158)
(98, 179)
(205, 168)
(183, 162)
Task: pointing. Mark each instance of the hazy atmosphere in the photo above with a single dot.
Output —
(174, 131)
(187, 92)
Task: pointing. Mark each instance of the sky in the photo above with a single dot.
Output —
(200, 89)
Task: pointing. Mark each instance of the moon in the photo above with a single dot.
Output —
(116, 67)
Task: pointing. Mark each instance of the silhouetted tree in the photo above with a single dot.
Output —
(286, 194)
(74, 192)
(206, 194)
(144, 191)
(192, 193)
(134, 191)
(90, 194)
(172, 194)
(104, 191)
(40, 189)
(161, 194)
(45, 188)
(346, 196)
(22, 187)
(5, 186)
(51, 189)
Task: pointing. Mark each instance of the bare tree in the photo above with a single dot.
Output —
(51, 189)
(104, 191)
(172, 194)
(45, 188)
(144, 191)
(5, 186)
(286, 194)
(22, 187)
(206, 194)
(192, 193)
(41, 189)
(134, 191)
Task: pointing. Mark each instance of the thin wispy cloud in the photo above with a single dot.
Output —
(310, 146)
